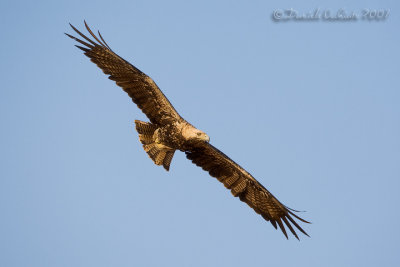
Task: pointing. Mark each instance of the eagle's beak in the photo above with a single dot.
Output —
(207, 138)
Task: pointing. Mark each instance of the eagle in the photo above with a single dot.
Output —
(168, 132)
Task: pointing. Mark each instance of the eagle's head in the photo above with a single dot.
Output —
(191, 133)
(200, 135)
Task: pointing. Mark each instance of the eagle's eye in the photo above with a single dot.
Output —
(198, 134)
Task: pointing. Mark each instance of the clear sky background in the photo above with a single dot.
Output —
(311, 109)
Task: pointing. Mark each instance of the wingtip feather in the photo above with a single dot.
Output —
(297, 225)
(290, 227)
(282, 228)
(93, 35)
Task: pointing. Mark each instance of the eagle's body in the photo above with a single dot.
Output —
(160, 142)
(167, 132)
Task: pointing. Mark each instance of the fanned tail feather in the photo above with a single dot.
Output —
(161, 155)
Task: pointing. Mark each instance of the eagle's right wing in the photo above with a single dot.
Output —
(140, 87)
(244, 186)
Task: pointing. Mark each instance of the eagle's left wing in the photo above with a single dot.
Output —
(244, 186)
(140, 87)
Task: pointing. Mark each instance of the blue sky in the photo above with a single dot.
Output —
(311, 109)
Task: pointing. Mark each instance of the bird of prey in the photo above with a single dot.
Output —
(167, 132)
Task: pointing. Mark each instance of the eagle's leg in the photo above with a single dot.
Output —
(158, 152)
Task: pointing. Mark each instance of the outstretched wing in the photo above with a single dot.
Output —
(244, 186)
(140, 87)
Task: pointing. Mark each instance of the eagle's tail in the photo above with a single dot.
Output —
(160, 154)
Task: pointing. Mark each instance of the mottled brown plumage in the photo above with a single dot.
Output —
(168, 132)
